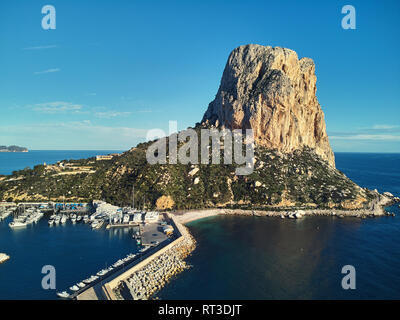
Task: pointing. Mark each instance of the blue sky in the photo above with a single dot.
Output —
(114, 69)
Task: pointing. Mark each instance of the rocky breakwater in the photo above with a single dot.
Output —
(144, 283)
(273, 92)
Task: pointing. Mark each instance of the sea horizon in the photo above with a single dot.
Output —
(14, 161)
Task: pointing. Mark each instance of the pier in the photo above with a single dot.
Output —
(95, 291)
(104, 288)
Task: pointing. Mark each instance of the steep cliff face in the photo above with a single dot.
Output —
(274, 93)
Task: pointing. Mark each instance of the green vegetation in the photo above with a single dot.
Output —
(278, 179)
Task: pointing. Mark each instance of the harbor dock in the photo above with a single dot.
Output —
(144, 275)
(162, 243)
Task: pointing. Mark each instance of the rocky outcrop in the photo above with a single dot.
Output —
(273, 92)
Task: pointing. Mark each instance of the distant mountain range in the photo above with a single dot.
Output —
(13, 149)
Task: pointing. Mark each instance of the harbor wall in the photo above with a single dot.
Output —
(109, 286)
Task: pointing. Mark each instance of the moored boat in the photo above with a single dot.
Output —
(63, 294)
(102, 272)
(97, 224)
(17, 224)
(64, 219)
(4, 257)
(74, 288)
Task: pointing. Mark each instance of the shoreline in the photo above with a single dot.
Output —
(147, 281)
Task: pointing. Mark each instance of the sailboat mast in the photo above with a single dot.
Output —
(133, 197)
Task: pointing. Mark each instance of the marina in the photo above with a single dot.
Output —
(149, 233)
(98, 214)
(75, 250)
(147, 229)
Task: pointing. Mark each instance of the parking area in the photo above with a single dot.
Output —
(152, 234)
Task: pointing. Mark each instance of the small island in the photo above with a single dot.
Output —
(13, 149)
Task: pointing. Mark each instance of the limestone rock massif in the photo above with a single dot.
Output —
(273, 92)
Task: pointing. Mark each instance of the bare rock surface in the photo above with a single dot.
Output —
(273, 92)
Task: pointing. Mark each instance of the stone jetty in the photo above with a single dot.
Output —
(145, 282)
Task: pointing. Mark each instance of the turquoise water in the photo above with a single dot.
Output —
(271, 258)
(10, 161)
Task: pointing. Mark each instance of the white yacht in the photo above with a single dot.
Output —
(102, 272)
(63, 294)
(38, 216)
(131, 255)
(97, 224)
(126, 218)
(94, 224)
(118, 263)
(145, 248)
(29, 220)
(78, 218)
(17, 224)
(85, 218)
(74, 288)
(5, 214)
(81, 285)
(91, 279)
(51, 222)
(63, 219)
